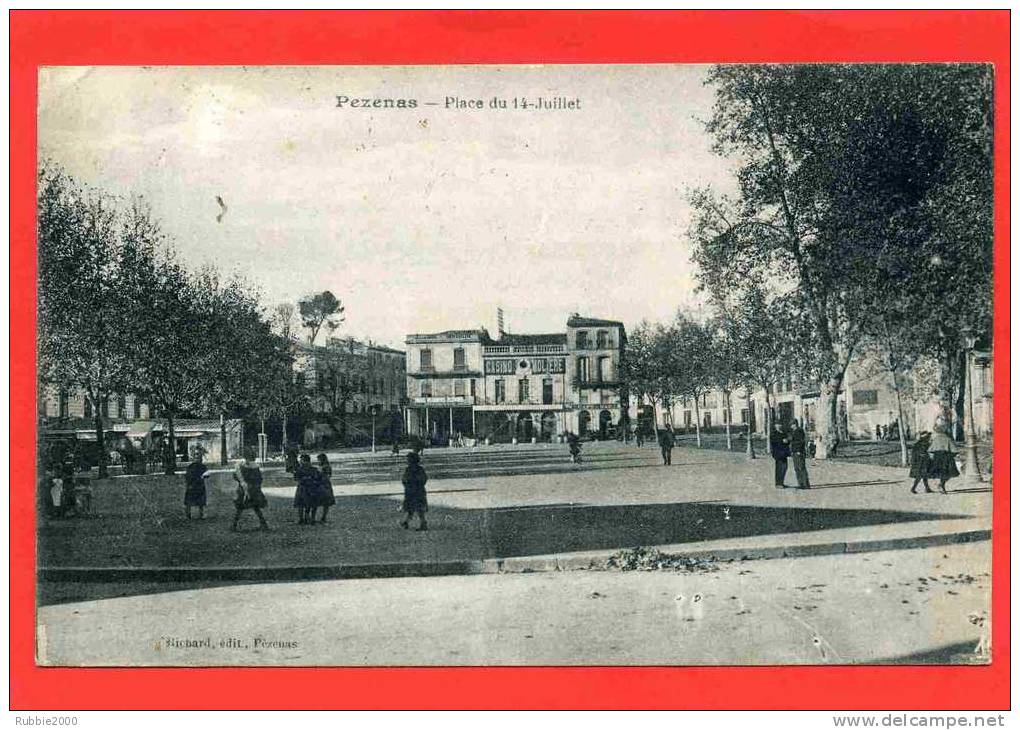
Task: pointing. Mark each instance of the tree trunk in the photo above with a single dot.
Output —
(902, 429)
(828, 414)
(750, 419)
(768, 421)
(697, 423)
(223, 439)
(100, 439)
(655, 419)
(170, 457)
(729, 415)
(284, 429)
(947, 386)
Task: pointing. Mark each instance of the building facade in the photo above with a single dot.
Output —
(866, 406)
(524, 387)
(356, 375)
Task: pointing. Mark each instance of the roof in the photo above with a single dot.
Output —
(576, 320)
(554, 338)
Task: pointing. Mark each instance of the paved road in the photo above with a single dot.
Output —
(908, 606)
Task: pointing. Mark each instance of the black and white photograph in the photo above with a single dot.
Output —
(515, 365)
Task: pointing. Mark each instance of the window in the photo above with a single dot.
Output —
(500, 391)
(426, 388)
(458, 387)
(583, 374)
(602, 369)
(523, 390)
(547, 391)
(582, 340)
(87, 406)
(865, 397)
(602, 339)
(726, 415)
(458, 358)
(121, 407)
(138, 407)
(472, 387)
(744, 415)
(687, 418)
(707, 420)
(62, 404)
(426, 359)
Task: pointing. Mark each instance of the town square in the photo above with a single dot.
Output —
(697, 370)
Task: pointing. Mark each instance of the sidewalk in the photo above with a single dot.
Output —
(549, 515)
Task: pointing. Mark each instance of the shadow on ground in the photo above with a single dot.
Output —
(141, 524)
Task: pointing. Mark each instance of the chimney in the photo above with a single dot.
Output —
(500, 329)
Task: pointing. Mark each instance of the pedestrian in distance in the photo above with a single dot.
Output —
(194, 484)
(290, 458)
(639, 436)
(326, 497)
(249, 490)
(798, 452)
(306, 496)
(574, 444)
(68, 499)
(920, 462)
(780, 446)
(415, 497)
(667, 440)
(943, 457)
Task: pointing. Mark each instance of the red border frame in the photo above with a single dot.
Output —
(420, 37)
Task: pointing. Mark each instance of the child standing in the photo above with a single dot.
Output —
(306, 494)
(249, 490)
(194, 484)
(326, 496)
(415, 498)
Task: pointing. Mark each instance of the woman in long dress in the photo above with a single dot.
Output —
(943, 457)
(249, 490)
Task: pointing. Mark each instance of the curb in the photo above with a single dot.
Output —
(530, 564)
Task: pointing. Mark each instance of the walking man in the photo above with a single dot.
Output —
(780, 446)
(666, 442)
(798, 450)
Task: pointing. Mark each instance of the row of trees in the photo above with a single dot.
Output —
(118, 313)
(862, 220)
(734, 352)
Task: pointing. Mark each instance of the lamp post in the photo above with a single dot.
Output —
(973, 473)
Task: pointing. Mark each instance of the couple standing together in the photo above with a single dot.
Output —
(790, 442)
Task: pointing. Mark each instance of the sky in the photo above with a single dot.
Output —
(421, 219)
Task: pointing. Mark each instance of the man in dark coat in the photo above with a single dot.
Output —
(666, 442)
(798, 450)
(780, 446)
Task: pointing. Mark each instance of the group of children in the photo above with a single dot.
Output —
(314, 489)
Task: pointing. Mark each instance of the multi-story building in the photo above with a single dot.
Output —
(356, 374)
(517, 386)
(867, 402)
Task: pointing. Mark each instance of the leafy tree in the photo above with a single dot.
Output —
(844, 170)
(646, 365)
(168, 349)
(83, 309)
(318, 310)
(690, 362)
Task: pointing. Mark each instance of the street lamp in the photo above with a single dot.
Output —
(973, 473)
(374, 408)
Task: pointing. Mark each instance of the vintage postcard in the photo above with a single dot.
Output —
(672, 364)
